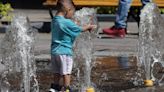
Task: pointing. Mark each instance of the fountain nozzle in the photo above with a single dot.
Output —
(90, 89)
(148, 83)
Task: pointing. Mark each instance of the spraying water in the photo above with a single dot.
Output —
(151, 40)
(84, 46)
(17, 56)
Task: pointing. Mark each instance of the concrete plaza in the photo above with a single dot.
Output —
(104, 45)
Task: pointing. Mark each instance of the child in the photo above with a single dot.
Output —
(64, 32)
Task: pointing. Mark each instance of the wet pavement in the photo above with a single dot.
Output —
(107, 73)
(147, 89)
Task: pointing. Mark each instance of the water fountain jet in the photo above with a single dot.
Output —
(84, 47)
(151, 41)
(17, 56)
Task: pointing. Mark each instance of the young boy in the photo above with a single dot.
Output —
(64, 32)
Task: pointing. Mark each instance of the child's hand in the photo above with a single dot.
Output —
(93, 27)
(89, 27)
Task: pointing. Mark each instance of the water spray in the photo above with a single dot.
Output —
(151, 41)
(17, 55)
(84, 46)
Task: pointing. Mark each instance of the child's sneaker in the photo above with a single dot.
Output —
(55, 88)
(67, 89)
(52, 90)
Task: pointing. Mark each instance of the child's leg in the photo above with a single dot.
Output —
(57, 78)
(55, 65)
(67, 64)
(66, 67)
(66, 80)
(56, 84)
(66, 83)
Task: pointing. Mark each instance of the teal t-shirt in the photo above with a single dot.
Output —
(64, 31)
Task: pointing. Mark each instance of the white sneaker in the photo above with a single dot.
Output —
(52, 90)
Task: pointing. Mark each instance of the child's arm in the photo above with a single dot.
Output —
(89, 27)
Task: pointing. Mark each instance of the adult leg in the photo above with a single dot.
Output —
(119, 30)
(122, 13)
(144, 2)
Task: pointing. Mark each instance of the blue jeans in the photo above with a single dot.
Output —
(122, 13)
